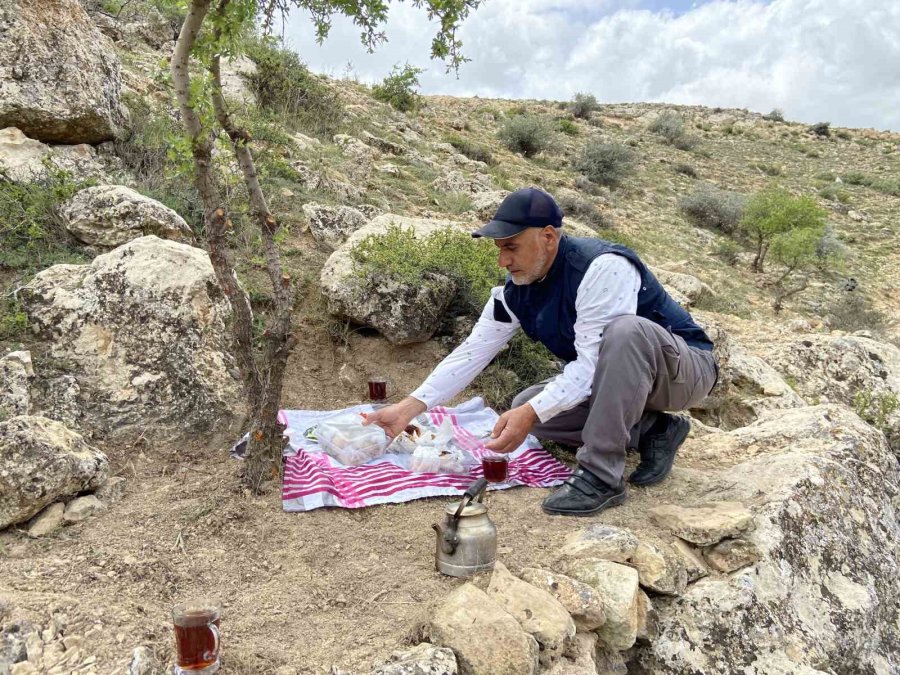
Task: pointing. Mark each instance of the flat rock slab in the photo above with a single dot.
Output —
(600, 541)
(581, 601)
(704, 524)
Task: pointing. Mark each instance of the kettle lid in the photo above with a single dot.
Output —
(471, 509)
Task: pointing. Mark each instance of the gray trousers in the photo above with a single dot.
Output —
(642, 369)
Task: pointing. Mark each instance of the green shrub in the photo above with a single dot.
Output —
(887, 186)
(876, 409)
(768, 169)
(398, 254)
(788, 226)
(605, 163)
(471, 150)
(776, 115)
(851, 311)
(583, 105)
(32, 234)
(709, 206)
(13, 320)
(399, 88)
(283, 86)
(568, 127)
(820, 129)
(727, 251)
(670, 126)
(834, 193)
(528, 134)
(843, 134)
(574, 206)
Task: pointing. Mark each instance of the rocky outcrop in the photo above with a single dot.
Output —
(40, 461)
(404, 312)
(859, 372)
(747, 386)
(819, 585)
(112, 215)
(25, 160)
(59, 76)
(690, 288)
(135, 342)
(423, 659)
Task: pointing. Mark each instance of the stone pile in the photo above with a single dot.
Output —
(27, 649)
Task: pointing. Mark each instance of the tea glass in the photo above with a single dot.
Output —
(197, 636)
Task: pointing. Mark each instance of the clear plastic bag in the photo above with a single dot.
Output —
(346, 439)
(435, 452)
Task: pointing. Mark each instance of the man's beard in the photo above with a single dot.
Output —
(525, 277)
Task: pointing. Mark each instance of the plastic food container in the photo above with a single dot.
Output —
(346, 439)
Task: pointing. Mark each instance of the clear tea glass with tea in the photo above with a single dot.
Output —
(197, 637)
(495, 466)
(378, 389)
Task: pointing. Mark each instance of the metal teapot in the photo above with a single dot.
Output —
(466, 538)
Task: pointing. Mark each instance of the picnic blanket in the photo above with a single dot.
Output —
(313, 479)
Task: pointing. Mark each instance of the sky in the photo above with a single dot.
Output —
(817, 60)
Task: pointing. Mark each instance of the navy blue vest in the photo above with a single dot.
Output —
(546, 308)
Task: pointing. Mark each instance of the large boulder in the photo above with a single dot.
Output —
(485, 638)
(820, 585)
(140, 338)
(15, 372)
(41, 461)
(59, 75)
(112, 215)
(617, 585)
(859, 372)
(404, 312)
(331, 225)
(538, 612)
(25, 160)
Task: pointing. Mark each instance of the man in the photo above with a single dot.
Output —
(631, 352)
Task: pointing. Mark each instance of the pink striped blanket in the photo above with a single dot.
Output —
(313, 479)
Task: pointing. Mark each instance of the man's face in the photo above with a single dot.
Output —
(526, 255)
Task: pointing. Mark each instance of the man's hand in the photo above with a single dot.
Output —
(395, 418)
(512, 428)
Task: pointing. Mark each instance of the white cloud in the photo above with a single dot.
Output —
(834, 60)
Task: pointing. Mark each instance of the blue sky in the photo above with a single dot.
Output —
(818, 60)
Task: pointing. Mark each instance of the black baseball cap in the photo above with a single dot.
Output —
(528, 207)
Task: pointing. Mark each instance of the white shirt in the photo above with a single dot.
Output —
(609, 289)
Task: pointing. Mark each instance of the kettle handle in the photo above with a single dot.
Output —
(469, 495)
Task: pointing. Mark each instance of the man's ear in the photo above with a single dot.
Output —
(549, 234)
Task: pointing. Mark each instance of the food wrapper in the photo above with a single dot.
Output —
(435, 452)
(346, 439)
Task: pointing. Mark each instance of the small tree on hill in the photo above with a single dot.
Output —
(774, 215)
(400, 88)
(216, 28)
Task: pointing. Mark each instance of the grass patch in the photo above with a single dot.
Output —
(521, 364)
(474, 151)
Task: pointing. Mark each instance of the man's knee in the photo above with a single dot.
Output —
(622, 329)
(523, 397)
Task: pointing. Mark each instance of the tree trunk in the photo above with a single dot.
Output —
(263, 381)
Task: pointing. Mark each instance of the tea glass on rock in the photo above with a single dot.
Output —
(197, 637)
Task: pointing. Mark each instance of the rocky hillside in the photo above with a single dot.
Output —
(773, 547)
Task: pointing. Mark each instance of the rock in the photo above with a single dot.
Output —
(659, 567)
(455, 181)
(579, 658)
(824, 499)
(12, 643)
(112, 490)
(703, 524)
(538, 612)
(59, 76)
(82, 508)
(331, 225)
(40, 462)
(690, 287)
(403, 312)
(47, 521)
(730, 555)
(617, 586)
(384, 145)
(314, 180)
(860, 373)
(234, 79)
(486, 203)
(609, 661)
(423, 659)
(23, 159)
(306, 142)
(15, 372)
(691, 560)
(580, 600)
(143, 662)
(747, 386)
(646, 618)
(169, 378)
(388, 168)
(600, 541)
(112, 215)
(485, 638)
